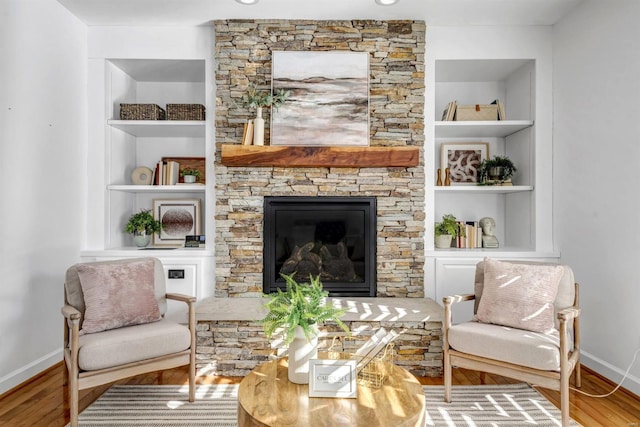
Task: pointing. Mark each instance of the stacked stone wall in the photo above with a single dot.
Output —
(396, 56)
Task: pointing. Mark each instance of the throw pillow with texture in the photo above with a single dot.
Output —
(118, 295)
(519, 295)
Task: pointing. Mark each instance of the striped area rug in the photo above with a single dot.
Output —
(216, 406)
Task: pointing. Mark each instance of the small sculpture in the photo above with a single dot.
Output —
(488, 226)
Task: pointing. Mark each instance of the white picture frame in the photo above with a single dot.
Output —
(179, 218)
(332, 378)
(463, 160)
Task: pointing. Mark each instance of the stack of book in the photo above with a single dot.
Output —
(449, 113)
(166, 173)
(472, 236)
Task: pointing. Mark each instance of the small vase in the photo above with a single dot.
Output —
(141, 239)
(439, 180)
(258, 128)
(443, 241)
(447, 177)
(301, 351)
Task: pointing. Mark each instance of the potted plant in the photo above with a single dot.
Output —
(190, 175)
(446, 230)
(258, 99)
(142, 225)
(496, 171)
(296, 312)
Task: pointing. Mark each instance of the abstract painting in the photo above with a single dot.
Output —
(463, 160)
(328, 102)
(179, 218)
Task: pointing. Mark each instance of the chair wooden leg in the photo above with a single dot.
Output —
(192, 376)
(564, 398)
(447, 377)
(73, 400)
(578, 378)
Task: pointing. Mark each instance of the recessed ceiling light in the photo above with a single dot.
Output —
(386, 2)
(247, 1)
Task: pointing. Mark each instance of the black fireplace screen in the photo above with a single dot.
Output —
(333, 237)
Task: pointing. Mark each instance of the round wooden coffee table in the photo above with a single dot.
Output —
(267, 398)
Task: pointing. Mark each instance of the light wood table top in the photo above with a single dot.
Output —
(267, 398)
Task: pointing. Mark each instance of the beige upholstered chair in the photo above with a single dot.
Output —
(545, 359)
(115, 327)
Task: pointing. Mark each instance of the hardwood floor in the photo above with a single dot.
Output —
(42, 401)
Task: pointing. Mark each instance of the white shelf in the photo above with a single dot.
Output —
(479, 189)
(148, 251)
(501, 252)
(180, 188)
(480, 129)
(161, 128)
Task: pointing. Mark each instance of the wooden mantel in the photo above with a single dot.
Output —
(337, 156)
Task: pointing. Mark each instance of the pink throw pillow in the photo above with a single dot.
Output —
(519, 295)
(118, 295)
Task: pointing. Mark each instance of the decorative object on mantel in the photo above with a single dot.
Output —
(296, 313)
(330, 98)
(496, 171)
(258, 99)
(142, 226)
(446, 230)
(341, 157)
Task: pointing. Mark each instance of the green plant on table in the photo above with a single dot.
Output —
(301, 304)
(143, 223)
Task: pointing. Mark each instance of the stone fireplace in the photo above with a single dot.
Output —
(230, 339)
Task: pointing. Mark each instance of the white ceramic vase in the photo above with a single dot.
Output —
(189, 179)
(141, 239)
(258, 128)
(301, 351)
(443, 241)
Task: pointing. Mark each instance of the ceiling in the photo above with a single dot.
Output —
(433, 12)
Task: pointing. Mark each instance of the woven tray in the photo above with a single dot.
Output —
(141, 112)
(185, 112)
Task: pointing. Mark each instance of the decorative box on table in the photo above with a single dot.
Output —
(142, 112)
(185, 112)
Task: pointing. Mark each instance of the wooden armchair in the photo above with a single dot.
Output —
(114, 325)
(545, 358)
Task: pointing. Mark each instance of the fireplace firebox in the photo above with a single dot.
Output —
(333, 237)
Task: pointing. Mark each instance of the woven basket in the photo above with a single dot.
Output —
(141, 112)
(185, 112)
(476, 112)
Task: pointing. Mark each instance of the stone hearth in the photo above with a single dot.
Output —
(231, 342)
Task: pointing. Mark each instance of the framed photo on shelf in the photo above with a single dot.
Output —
(463, 160)
(179, 218)
(330, 98)
(332, 378)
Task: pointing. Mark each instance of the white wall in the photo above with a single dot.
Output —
(43, 133)
(597, 200)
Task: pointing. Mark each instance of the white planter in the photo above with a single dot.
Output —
(141, 240)
(443, 241)
(300, 352)
(189, 179)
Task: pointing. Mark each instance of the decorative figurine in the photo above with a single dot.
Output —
(488, 226)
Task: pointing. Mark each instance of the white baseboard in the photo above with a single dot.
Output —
(611, 372)
(29, 371)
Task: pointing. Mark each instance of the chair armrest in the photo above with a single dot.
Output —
(71, 313)
(181, 297)
(569, 313)
(457, 298)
